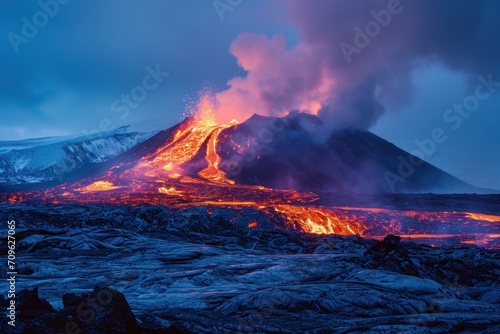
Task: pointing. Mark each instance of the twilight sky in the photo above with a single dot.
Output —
(401, 69)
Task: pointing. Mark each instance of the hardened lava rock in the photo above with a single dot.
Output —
(389, 254)
(103, 310)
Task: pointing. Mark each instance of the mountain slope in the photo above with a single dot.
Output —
(295, 153)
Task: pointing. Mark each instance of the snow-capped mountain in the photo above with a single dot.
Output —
(40, 161)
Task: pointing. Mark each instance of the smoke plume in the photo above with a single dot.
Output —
(355, 58)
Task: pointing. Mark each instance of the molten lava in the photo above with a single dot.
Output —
(212, 172)
(164, 177)
(480, 216)
(320, 220)
(97, 186)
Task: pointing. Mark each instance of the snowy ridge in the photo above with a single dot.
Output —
(45, 159)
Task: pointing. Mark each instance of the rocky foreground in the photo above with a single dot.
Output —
(108, 269)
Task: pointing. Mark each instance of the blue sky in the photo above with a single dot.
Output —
(65, 79)
(471, 150)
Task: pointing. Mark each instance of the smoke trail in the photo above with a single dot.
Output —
(355, 58)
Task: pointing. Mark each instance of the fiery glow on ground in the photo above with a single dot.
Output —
(320, 220)
(97, 186)
(480, 216)
(162, 178)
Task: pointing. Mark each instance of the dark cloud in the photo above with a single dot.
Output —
(91, 51)
(459, 34)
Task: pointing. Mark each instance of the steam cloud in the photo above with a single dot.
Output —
(355, 58)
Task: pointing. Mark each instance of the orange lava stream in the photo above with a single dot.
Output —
(480, 216)
(319, 220)
(437, 236)
(182, 149)
(212, 172)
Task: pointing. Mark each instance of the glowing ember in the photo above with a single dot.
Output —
(253, 225)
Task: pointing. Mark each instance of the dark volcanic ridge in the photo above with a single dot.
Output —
(295, 153)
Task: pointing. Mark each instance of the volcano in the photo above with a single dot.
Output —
(293, 152)
(281, 167)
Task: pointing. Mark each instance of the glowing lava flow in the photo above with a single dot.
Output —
(200, 131)
(212, 172)
(320, 220)
(480, 216)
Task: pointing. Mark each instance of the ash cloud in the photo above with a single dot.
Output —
(351, 86)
